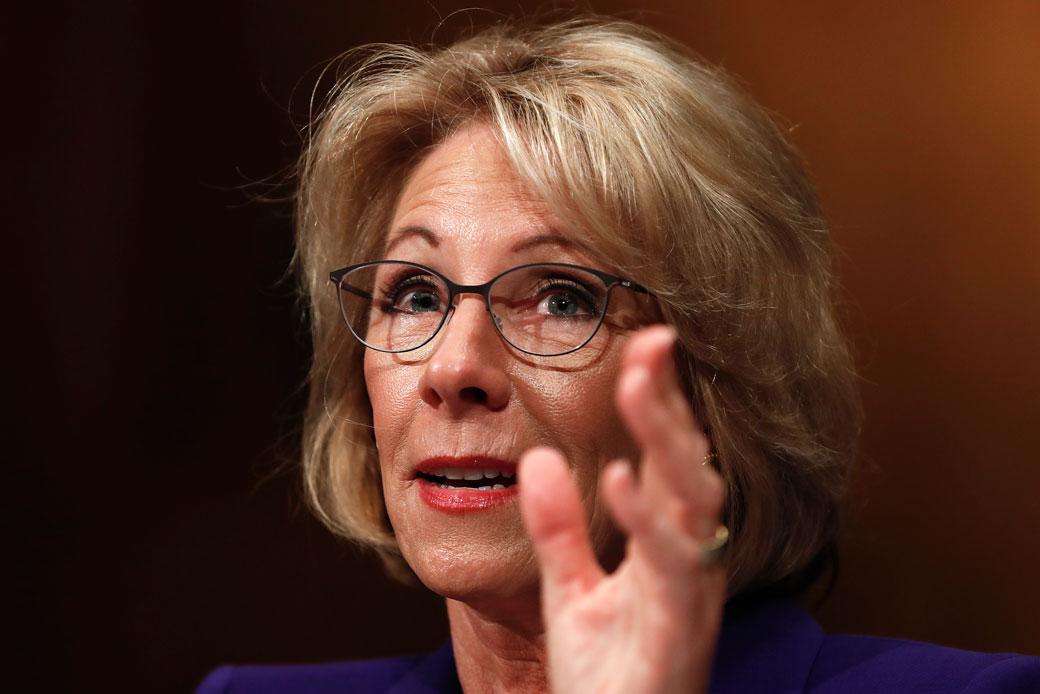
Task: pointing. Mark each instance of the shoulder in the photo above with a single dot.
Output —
(852, 664)
(424, 674)
(775, 646)
(363, 676)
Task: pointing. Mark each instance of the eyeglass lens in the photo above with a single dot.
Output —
(540, 309)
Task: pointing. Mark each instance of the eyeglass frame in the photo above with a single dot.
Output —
(454, 289)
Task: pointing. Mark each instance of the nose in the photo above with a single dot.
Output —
(465, 370)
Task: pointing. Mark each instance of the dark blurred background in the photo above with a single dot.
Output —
(156, 350)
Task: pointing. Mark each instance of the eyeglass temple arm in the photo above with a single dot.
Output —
(635, 287)
(356, 291)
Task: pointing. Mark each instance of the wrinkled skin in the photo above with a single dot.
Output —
(529, 604)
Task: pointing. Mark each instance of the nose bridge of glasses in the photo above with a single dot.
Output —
(476, 291)
(458, 291)
(452, 309)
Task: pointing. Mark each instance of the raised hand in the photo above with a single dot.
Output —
(651, 625)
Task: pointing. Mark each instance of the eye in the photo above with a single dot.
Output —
(561, 305)
(418, 301)
(413, 294)
(566, 299)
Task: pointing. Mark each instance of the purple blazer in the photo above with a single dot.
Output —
(773, 647)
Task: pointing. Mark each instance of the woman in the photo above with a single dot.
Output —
(497, 408)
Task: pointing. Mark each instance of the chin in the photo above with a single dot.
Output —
(474, 571)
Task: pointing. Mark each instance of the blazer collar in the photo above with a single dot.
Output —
(765, 646)
(432, 674)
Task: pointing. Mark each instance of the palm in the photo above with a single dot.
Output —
(651, 625)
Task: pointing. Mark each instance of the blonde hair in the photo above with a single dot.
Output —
(677, 180)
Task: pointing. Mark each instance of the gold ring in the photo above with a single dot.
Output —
(712, 548)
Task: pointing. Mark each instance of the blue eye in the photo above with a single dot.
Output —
(418, 301)
(414, 294)
(564, 298)
(561, 305)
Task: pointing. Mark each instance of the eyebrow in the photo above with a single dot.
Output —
(424, 233)
(409, 232)
(544, 240)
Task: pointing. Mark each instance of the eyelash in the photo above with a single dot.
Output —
(393, 286)
(572, 286)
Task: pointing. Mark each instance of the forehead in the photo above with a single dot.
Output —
(465, 192)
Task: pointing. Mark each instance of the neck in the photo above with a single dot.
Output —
(499, 651)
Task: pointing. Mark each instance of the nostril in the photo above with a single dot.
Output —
(477, 395)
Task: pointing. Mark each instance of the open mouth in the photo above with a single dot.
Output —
(484, 480)
(465, 484)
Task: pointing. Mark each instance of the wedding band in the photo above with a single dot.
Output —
(711, 549)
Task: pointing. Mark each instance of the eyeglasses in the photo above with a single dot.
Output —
(542, 309)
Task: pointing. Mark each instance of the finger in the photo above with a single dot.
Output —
(652, 535)
(552, 513)
(649, 377)
(618, 484)
(659, 425)
(654, 349)
(655, 410)
(632, 514)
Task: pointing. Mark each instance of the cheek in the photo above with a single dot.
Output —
(388, 393)
(374, 383)
(576, 411)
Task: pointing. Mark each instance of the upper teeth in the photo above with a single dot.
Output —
(454, 473)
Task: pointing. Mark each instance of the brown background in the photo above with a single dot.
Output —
(156, 355)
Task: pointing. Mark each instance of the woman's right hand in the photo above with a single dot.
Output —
(652, 624)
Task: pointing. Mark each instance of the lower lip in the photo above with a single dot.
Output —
(463, 500)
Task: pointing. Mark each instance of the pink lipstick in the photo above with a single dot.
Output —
(467, 483)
